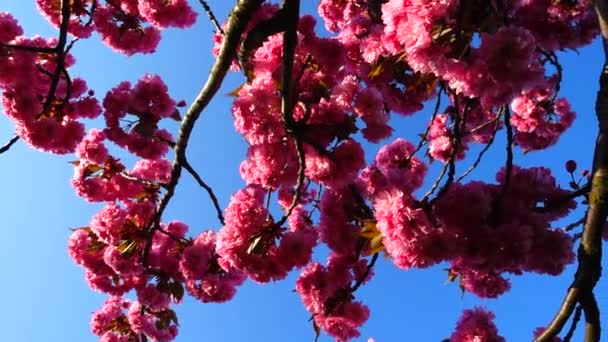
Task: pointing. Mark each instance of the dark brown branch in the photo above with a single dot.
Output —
(481, 153)
(211, 16)
(575, 320)
(592, 318)
(552, 58)
(497, 203)
(239, 17)
(207, 188)
(60, 53)
(423, 138)
(9, 144)
(589, 267)
(573, 225)
(435, 185)
(33, 49)
(259, 34)
(291, 13)
(365, 274)
(509, 160)
(459, 123)
(173, 236)
(299, 182)
(553, 204)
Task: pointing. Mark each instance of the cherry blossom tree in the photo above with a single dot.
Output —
(307, 104)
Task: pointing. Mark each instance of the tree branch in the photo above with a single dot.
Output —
(481, 153)
(291, 13)
(239, 17)
(590, 250)
(592, 318)
(9, 144)
(211, 16)
(207, 188)
(575, 320)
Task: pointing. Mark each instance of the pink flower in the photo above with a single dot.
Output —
(476, 325)
(148, 102)
(326, 295)
(108, 223)
(163, 14)
(205, 279)
(79, 16)
(404, 227)
(9, 27)
(538, 120)
(123, 32)
(159, 325)
(91, 148)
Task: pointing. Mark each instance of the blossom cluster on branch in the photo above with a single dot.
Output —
(494, 61)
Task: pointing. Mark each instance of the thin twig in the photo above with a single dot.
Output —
(207, 188)
(435, 185)
(509, 148)
(141, 180)
(459, 123)
(423, 138)
(481, 154)
(573, 225)
(552, 204)
(366, 273)
(9, 144)
(299, 182)
(211, 16)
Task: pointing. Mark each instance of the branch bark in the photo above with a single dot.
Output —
(590, 250)
(239, 17)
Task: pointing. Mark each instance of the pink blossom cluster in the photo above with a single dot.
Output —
(252, 242)
(539, 119)
(476, 325)
(327, 294)
(120, 320)
(122, 250)
(133, 114)
(385, 56)
(127, 26)
(493, 231)
(392, 57)
(475, 124)
(506, 61)
(42, 102)
(466, 226)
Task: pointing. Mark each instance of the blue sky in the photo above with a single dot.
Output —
(45, 295)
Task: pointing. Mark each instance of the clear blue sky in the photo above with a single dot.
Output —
(46, 298)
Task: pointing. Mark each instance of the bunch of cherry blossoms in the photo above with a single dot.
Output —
(494, 62)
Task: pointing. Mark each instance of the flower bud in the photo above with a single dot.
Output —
(570, 166)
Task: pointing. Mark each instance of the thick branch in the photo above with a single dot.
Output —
(291, 10)
(592, 318)
(239, 17)
(575, 320)
(590, 250)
